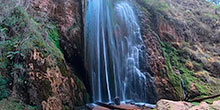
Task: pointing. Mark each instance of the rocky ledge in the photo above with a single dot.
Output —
(181, 105)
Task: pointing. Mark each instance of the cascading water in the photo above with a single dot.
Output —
(113, 49)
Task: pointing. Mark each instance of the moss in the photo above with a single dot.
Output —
(206, 85)
(195, 103)
(45, 89)
(212, 16)
(53, 35)
(210, 101)
(86, 97)
(13, 104)
(188, 78)
(3, 88)
(22, 35)
(211, 108)
(66, 107)
(158, 4)
(197, 66)
(81, 88)
(170, 60)
(62, 67)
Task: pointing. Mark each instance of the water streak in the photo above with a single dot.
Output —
(113, 49)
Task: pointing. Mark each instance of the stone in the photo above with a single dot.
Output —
(52, 103)
(216, 105)
(172, 105)
(189, 65)
(202, 106)
(117, 100)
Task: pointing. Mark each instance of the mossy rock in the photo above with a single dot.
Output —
(3, 88)
(14, 104)
(189, 70)
(23, 36)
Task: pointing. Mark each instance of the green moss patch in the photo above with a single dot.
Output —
(171, 60)
(13, 104)
(3, 88)
(21, 35)
(176, 66)
(158, 4)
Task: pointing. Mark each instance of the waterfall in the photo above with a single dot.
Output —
(113, 49)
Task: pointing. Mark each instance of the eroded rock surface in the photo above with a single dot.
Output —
(201, 106)
(216, 105)
(171, 105)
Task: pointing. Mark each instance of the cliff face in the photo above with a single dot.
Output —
(33, 68)
(41, 44)
(182, 37)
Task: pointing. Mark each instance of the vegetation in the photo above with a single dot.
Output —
(171, 60)
(20, 35)
(158, 4)
(177, 66)
(3, 88)
(13, 104)
(211, 16)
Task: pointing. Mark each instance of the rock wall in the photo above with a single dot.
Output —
(33, 67)
(181, 37)
(178, 37)
(42, 50)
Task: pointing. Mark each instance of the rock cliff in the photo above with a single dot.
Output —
(41, 44)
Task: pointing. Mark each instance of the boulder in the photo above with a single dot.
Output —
(216, 105)
(172, 105)
(202, 106)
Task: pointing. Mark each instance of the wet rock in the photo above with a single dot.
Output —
(117, 100)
